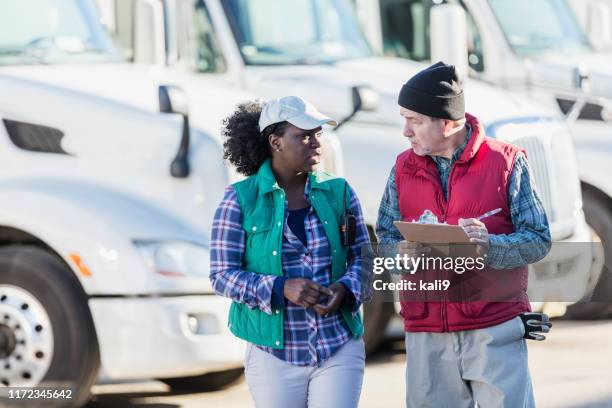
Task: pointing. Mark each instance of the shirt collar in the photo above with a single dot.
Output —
(267, 180)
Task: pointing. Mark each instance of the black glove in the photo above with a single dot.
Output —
(535, 323)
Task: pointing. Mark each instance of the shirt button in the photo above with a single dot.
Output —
(325, 222)
(274, 253)
(277, 311)
(279, 223)
(334, 251)
(254, 228)
(277, 343)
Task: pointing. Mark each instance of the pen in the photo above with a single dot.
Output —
(489, 213)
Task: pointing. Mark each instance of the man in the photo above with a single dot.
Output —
(458, 352)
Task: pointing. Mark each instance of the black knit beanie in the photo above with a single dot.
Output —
(435, 91)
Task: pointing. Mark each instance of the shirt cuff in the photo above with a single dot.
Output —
(278, 292)
(350, 300)
(264, 293)
(497, 249)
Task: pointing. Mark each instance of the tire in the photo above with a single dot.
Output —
(598, 216)
(43, 304)
(214, 381)
(594, 310)
(376, 314)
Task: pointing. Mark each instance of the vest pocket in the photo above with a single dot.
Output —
(256, 233)
(472, 309)
(414, 310)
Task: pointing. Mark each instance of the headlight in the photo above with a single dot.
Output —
(175, 258)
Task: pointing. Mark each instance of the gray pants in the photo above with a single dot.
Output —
(336, 383)
(487, 367)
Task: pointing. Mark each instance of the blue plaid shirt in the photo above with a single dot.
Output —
(530, 240)
(309, 339)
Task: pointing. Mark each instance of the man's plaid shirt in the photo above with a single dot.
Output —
(530, 240)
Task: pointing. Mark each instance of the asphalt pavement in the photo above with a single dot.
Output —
(572, 368)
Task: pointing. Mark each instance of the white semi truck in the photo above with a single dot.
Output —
(316, 49)
(537, 49)
(107, 195)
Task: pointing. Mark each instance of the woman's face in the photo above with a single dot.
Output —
(298, 149)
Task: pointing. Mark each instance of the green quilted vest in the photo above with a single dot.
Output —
(262, 203)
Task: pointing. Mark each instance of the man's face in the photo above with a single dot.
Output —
(426, 134)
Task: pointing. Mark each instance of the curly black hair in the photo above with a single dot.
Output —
(245, 146)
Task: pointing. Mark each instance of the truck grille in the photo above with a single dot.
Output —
(539, 161)
(552, 160)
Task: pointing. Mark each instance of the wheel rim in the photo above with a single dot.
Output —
(26, 338)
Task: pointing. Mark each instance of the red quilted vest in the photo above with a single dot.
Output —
(478, 183)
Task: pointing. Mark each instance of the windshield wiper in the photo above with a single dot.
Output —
(30, 53)
(308, 61)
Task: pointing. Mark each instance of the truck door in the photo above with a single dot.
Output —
(405, 31)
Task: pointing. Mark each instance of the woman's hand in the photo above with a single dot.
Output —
(304, 292)
(335, 299)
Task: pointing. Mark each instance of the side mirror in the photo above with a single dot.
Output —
(599, 24)
(448, 36)
(148, 31)
(582, 79)
(106, 9)
(173, 99)
(582, 82)
(364, 99)
(606, 111)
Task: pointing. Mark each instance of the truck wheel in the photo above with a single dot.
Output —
(598, 216)
(47, 336)
(376, 316)
(207, 382)
(594, 310)
(377, 313)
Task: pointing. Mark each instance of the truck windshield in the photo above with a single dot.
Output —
(533, 27)
(279, 32)
(52, 32)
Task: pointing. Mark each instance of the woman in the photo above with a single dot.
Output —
(277, 252)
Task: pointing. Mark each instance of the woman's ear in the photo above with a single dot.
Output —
(275, 142)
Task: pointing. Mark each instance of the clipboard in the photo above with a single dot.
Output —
(432, 233)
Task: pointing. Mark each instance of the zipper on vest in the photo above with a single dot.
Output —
(444, 303)
(447, 199)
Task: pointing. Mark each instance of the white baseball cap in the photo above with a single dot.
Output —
(294, 110)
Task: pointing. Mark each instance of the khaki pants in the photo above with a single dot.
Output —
(336, 383)
(487, 367)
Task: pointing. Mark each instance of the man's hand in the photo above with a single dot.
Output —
(336, 296)
(304, 292)
(477, 232)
